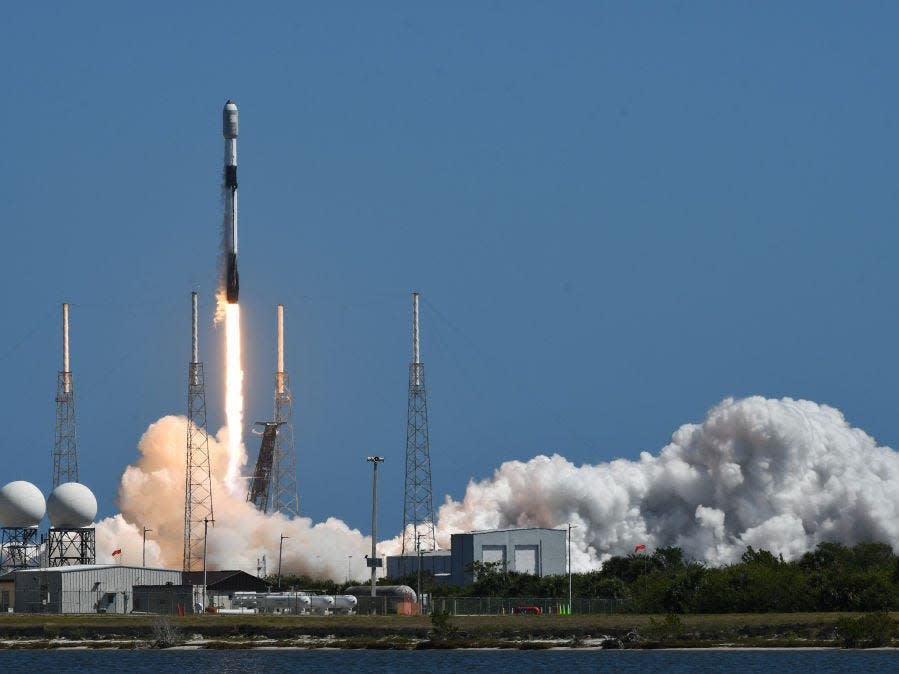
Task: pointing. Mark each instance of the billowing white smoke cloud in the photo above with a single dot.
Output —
(782, 475)
(151, 494)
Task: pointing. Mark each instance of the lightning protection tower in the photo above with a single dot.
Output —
(197, 481)
(418, 510)
(284, 497)
(65, 452)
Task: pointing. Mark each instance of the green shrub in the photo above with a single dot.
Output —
(869, 631)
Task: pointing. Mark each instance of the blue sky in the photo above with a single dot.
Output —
(617, 214)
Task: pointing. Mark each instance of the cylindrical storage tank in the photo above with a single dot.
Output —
(22, 505)
(403, 592)
(71, 506)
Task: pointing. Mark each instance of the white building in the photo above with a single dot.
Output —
(85, 589)
(540, 552)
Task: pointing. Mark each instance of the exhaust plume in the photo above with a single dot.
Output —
(151, 494)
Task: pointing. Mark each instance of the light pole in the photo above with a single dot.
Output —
(280, 548)
(206, 522)
(373, 561)
(145, 547)
(418, 550)
(348, 558)
(570, 527)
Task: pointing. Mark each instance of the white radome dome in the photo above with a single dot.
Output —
(71, 506)
(21, 505)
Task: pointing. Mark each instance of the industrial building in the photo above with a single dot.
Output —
(435, 563)
(540, 552)
(85, 589)
(221, 586)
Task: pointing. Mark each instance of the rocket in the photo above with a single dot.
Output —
(229, 131)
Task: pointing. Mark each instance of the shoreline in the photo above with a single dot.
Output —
(805, 631)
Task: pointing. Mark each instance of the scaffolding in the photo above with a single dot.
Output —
(71, 546)
(20, 548)
(260, 491)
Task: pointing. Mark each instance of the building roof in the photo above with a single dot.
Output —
(500, 531)
(93, 567)
(424, 553)
(227, 581)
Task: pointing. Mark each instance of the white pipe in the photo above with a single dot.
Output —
(194, 343)
(280, 348)
(416, 346)
(67, 376)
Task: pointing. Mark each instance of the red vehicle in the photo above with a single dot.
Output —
(527, 610)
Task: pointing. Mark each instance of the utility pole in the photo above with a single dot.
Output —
(144, 564)
(280, 549)
(570, 527)
(418, 548)
(348, 558)
(206, 522)
(374, 561)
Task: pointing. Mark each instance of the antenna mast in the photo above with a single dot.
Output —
(65, 452)
(197, 480)
(418, 510)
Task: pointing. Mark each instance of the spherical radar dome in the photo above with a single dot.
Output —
(21, 505)
(71, 506)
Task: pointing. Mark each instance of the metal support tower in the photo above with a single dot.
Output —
(197, 480)
(65, 452)
(418, 510)
(20, 548)
(260, 491)
(69, 547)
(284, 496)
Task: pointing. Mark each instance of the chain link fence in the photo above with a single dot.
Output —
(525, 605)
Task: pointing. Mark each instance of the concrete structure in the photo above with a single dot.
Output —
(85, 589)
(540, 552)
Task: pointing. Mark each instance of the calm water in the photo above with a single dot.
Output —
(448, 661)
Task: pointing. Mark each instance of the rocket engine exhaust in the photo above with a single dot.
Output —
(229, 131)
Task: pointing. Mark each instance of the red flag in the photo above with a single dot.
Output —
(117, 552)
(639, 548)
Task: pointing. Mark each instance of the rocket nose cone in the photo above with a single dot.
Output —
(229, 119)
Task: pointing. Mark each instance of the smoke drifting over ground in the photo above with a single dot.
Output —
(776, 474)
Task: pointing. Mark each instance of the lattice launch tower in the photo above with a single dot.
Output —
(197, 481)
(284, 497)
(418, 509)
(65, 450)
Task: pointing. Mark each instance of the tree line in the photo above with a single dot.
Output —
(832, 577)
